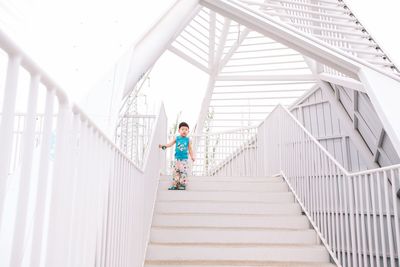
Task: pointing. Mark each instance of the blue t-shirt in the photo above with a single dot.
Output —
(181, 147)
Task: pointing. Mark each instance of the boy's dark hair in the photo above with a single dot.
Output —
(183, 124)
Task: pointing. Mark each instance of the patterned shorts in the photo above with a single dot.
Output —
(180, 172)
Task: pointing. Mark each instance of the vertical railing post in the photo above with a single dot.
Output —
(41, 195)
(7, 123)
(25, 178)
(56, 249)
(75, 151)
(280, 140)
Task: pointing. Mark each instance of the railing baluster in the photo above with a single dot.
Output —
(56, 250)
(363, 235)
(352, 214)
(375, 220)
(395, 186)
(368, 201)
(381, 218)
(7, 123)
(25, 180)
(388, 217)
(334, 215)
(43, 180)
(357, 214)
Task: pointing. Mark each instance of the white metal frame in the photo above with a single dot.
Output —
(92, 204)
(348, 210)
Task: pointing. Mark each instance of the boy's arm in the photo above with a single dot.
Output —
(191, 151)
(169, 144)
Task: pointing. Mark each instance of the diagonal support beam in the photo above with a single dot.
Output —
(342, 81)
(188, 59)
(157, 40)
(384, 93)
(222, 41)
(233, 49)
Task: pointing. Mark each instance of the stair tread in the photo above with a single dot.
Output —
(226, 214)
(237, 252)
(219, 228)
(226, 177)
(231, 220)
(188, 189)
(244, 180)
(227, 202)
(236, 245)
(155, 263)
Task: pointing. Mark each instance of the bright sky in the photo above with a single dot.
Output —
(78, 42)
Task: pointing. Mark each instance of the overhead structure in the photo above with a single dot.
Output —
(262, 53)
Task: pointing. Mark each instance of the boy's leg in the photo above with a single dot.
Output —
(183, 174)
(175, 176)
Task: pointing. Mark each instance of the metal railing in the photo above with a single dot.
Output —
(133, 134)
(356, 215)
(89, 205)
(19, 125)
(228, 153)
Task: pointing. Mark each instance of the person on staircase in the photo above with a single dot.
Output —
(183, 147)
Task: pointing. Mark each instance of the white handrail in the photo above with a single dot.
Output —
(89, 204)
(228, 153)
(356, 214)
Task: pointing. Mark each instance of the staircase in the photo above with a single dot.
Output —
(232, 221)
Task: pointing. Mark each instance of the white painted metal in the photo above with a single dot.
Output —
(234, 56)
(326, 32)
(7, 122)
(43, 181)
(26, 167)
(96, 180)
(227, 153)
(156, 41)
(328, 193)
(93, 204)
(232, 221)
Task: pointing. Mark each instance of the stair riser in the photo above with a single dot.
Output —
(226, 196)
(210, 236)
(248, 263)
(227, 179)
(285, 222)
(228, 208)
(278, 253)
(231, 186)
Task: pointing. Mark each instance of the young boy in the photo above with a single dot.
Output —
(182, 148)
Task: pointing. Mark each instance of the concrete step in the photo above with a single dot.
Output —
(231, 186)
(247, 263)
(186, 195)
(228, 252)
(193, 235)
(237, 221)
(227, 179)
(212, 207)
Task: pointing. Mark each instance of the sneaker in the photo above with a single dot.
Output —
(182, 187)
(173, 188)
